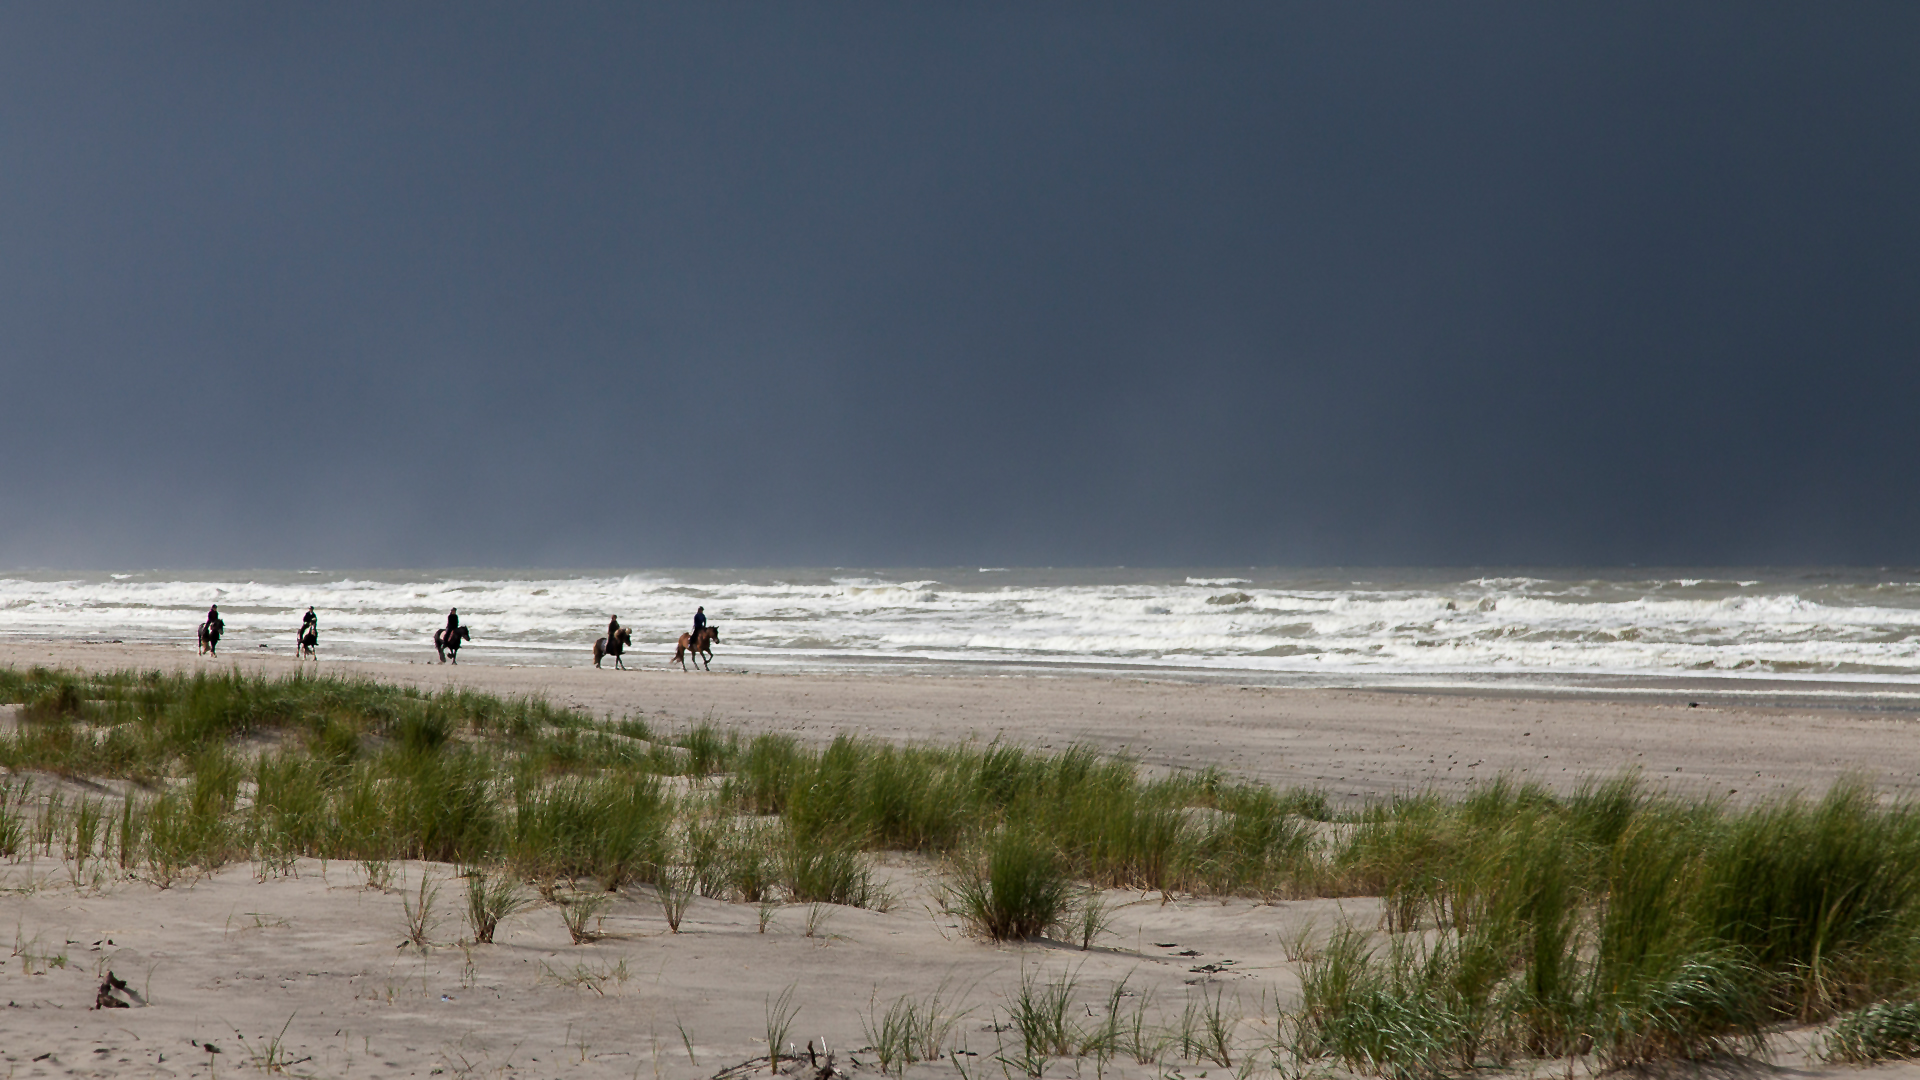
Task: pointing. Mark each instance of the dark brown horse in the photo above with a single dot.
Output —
(447, 645)
(701, 651)
(614, 648)
(304, 642)
(210, 636)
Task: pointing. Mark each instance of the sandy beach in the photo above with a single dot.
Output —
(1252, 541)
(1354, 744)
(306, 972)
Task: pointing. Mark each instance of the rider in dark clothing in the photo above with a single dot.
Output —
(699, 624)
(613, 629)
(309, 621)
(453, 621)
(213, 614)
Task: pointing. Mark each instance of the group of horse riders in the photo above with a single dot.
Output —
(698, 644)
(448, 640)
(304, 639)
(699, 626)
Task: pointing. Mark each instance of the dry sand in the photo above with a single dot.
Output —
(232, 961)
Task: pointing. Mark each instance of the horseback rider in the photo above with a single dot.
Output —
(453, 623)
(699, 625)
(309, 621)
(613, 631)
(209, 632)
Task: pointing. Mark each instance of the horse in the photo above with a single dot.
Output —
(619, 644)
(304, 642)
(447, 645)
(210, 636)
(701, 651)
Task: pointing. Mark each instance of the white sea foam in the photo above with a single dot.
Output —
(1796, 625)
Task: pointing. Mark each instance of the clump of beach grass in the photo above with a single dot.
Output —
(420, 918)
(1041, 1011)
(88, 829)
(674, 885)
(780, 1014)
(1091, 917)
(1016, 889)
(579, 912)
(14, 795)
(1884, 1031)
(912, 1029)
(490, 899)
(828, 868)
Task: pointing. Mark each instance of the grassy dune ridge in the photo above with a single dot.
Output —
(1618, 924)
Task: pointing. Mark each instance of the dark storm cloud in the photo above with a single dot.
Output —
(913, 284)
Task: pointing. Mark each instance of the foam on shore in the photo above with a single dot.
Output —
(1339, 625)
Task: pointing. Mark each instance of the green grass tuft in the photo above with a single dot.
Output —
(1885, 1031)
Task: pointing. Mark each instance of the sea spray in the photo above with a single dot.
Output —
(1343, 627)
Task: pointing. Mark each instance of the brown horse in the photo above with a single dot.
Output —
(701, 651)
(618, 645)
(304, 642)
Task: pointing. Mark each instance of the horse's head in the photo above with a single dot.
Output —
(626, 636)
(464, 636)
(713, 631)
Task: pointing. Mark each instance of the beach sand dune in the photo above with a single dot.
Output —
(311, 970)
(307, 973)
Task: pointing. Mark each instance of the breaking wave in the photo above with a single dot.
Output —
(1796, 624)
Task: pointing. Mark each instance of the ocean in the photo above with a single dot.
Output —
(1319, 627)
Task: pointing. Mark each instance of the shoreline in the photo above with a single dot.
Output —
(1750, 743)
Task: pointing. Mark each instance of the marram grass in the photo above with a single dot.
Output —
(1883, 1031)
(1617, 924)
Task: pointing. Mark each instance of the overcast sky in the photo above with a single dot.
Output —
(924, 284)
